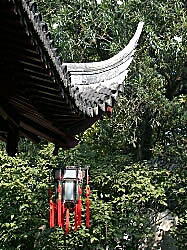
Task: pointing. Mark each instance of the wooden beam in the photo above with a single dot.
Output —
(32, 137)
(8, 114)
(49, 135)
(2, 137)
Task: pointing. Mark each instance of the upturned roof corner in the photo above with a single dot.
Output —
(40, 95)
(101, 82)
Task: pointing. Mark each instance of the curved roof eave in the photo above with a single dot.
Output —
(40, 96)
(87, 79)
(103, 79)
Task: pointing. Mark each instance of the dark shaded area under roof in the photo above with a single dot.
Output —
(41, 97)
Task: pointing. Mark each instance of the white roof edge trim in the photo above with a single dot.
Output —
(81, 67)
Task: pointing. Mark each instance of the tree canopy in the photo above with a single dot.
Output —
(137, 156)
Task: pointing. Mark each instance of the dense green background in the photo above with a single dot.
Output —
(137, 157)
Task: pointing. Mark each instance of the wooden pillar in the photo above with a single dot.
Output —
(12, 140)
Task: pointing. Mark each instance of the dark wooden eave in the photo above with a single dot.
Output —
(39, 95)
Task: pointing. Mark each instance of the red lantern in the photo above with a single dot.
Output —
(68, 182)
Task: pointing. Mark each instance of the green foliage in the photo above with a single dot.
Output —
(124, 199)
(23, 206)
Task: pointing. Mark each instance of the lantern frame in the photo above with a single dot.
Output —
(69, 178)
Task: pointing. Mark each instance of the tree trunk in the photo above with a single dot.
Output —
(144, 144)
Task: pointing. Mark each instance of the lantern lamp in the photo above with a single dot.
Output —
(68, 183)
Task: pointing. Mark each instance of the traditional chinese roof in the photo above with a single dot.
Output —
(42, 96)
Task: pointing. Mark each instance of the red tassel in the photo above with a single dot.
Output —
(67, 221)
(87, 206)
(52, 209)
(59, 204)
(63, 213)
(76, 218)
(79, 207)
(52, 214)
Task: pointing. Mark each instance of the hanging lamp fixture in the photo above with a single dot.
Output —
(68, 196)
